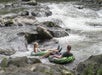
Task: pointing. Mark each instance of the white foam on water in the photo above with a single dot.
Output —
(100, 13)
(74, 18)
(26, 53)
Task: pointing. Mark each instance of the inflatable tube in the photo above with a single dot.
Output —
(38, 53)
(63, 60)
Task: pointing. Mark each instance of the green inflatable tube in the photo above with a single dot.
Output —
(38, 53)
(63, 60)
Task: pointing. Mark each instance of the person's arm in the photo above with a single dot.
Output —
(35, 50)
(57, 56)
(42, 49)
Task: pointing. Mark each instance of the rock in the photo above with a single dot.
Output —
(41, 13)
(33, 60)
(44, 33)
(6, 22)
(50, 24)
(19, 61)
(35, 13)
(24, 13)
(31, 37)
(32, 3)
(40, 69)
(48, 13)
(25, 20)
(51, 69)
(7, 52)
(91, 66)
(9, 5)
(59, 33)
(4, 63)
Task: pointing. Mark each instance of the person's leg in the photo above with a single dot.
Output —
(59, 48)
(47, 54)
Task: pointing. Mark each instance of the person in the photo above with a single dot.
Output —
(37, 49)
(65, 54)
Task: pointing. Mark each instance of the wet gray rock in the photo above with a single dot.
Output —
(32, 3)
(30, 37)
(59, 33)
(55, 30)
(9, 5)
(24, 13)
(44, 33)
(91, 66)
(51, 24)
(18, 62)
(43, 11)
(7, 52)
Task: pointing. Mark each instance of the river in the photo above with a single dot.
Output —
(84, 26)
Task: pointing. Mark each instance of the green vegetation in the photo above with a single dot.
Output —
(99, 72)
(89, 70)
(4, 63)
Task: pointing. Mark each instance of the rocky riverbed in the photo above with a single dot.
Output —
(51, 24)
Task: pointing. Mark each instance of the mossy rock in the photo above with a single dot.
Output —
(91, 66)
(4, 63)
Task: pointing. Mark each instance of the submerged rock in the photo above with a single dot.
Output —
(91, 66)
(24, 13)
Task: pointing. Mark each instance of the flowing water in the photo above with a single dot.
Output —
(85, 35)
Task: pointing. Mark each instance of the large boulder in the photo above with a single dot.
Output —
(38, 69)
(30, 37)
(55, 29)
(44, 33)
(18, 61)
(91, 66)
